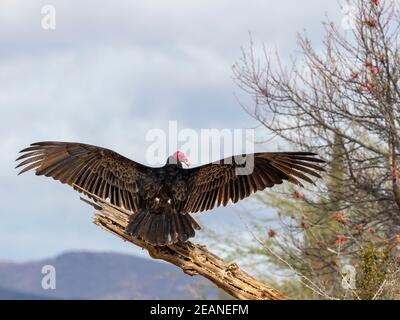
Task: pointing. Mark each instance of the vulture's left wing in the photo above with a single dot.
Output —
(217, 183)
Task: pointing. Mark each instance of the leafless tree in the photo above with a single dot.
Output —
(343, 102)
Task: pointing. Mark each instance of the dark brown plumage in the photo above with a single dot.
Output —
(161, 199)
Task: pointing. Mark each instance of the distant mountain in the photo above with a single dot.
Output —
(14, 295)
(89, 275)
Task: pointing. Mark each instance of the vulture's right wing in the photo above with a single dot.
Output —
(97, 170)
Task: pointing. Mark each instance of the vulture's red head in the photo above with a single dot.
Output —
(179, 158)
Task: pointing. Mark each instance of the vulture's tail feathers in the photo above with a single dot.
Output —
(160, 229)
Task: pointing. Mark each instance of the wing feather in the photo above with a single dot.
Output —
(218, 183)
(97, 170)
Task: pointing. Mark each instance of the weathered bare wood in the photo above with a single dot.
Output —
(193, 259)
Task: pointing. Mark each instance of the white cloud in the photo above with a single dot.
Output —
(108, 74)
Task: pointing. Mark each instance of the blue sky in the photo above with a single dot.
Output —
(108, 74)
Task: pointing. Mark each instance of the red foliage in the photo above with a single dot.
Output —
(341, 240)
(303, 224)
(369, 87)
(370, 22)
(374, 70)
(318, 265)
(393, 173)
(354, 76)
(297, 195)
(368, 64)
(272, 233)
(371, 230)
(340, 217)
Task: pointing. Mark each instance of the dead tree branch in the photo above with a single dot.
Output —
(193, 259)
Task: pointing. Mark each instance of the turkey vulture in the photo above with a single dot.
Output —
(162, 199)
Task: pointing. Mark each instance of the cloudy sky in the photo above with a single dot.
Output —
(108, 74)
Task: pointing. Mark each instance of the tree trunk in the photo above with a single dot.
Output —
(193, 259)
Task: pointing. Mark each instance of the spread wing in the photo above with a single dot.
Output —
(99, 171)
(218, 183)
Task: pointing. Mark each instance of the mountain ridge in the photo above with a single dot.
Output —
(101, 275)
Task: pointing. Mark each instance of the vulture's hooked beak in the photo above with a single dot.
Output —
(186, 163)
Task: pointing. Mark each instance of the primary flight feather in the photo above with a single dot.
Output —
(162, 199)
